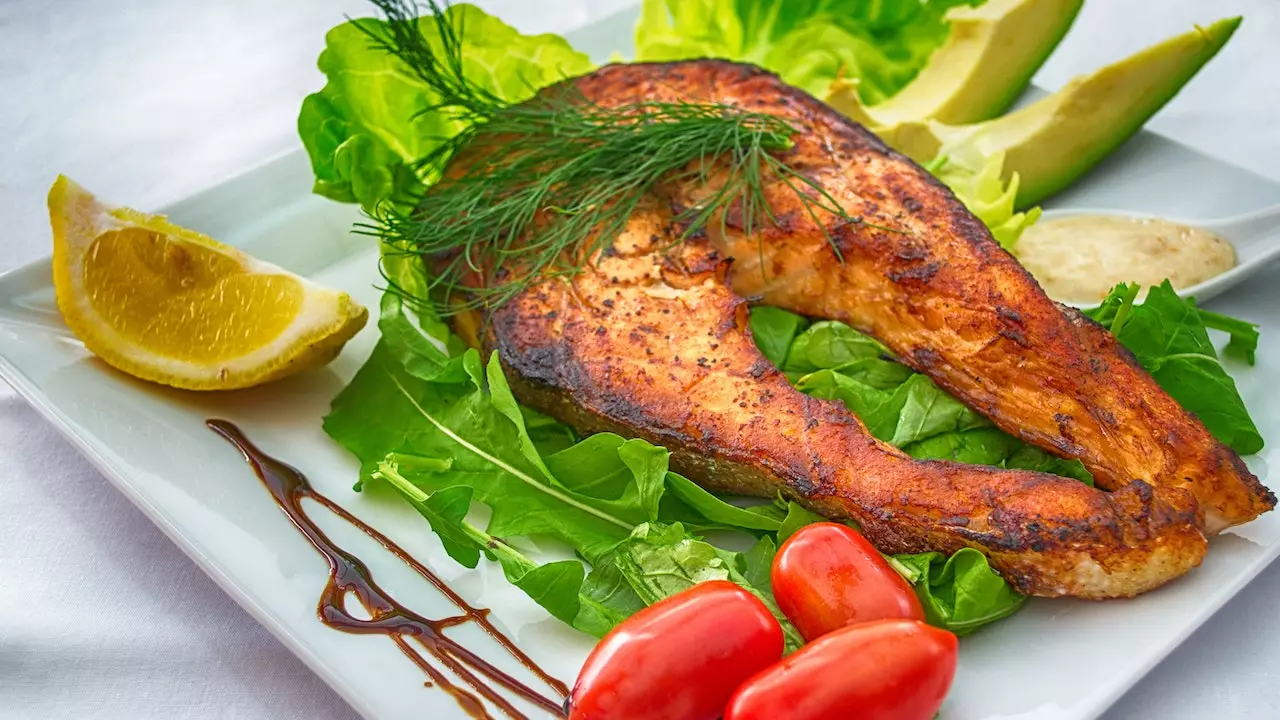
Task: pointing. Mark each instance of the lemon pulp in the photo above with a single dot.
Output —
(171, 305)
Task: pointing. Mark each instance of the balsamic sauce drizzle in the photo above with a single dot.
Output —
(348, 574)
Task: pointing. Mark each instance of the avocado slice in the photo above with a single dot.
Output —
(1057, 139)
(986, 62)
(1052, 142)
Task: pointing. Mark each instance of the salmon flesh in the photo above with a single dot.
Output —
(651, 340)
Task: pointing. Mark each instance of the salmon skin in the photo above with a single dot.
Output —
(653, 342)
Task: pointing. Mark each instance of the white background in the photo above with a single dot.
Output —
(147, 101)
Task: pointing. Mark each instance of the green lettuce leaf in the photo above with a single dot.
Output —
(490, 452)
(365, 130)
(809, 43)
(1030, 457)
(830, 344)
(831, 360)
(758, 563)
(774, 330)
(723, 515)
(445, 430)
(1168, 336)
(797, 517)
(439, 425)
(977, 183)
(960, 593)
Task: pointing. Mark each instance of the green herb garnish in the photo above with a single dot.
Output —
(546, 183)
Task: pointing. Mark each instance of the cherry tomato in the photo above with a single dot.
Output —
(678, 659)
(827, 576)
(886, 670)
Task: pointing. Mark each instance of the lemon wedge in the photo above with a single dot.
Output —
(170, 305)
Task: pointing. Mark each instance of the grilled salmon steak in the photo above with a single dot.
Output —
(653, 342)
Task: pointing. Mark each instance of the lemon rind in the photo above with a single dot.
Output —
(325, 322)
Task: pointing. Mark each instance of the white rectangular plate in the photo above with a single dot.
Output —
(1056, 659)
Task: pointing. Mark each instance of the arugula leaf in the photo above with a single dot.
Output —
(1244, 335)
(445, 511)
(502, 400)
(1029, 457)
(905, 408)
(367, 127)
(490, 453)
(554, 586)
(808, 42)
(830, 344)
(592, 466)
(606, 599)
(460, 436)
(648, 462)
(979, 446)
(774, 330)
(579, 495)
(549, 435)
(1168, 337)
(660, 561)
(758, 564)
(797, 517)
(371, 436)
(961, 593)
(876, 408)
(725, 515)
(927, 410)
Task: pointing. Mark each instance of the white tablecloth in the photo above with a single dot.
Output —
(147, 101)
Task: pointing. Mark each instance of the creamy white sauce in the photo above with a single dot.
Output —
(1079, 259)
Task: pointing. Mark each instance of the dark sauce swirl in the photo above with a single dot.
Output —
(348, 574)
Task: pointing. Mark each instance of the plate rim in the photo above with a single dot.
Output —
(85, 444)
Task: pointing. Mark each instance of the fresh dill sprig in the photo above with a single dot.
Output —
(546, 183)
